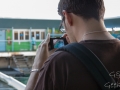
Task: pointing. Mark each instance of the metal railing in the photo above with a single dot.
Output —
(12, 82)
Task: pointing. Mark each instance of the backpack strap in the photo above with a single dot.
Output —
(92, 63)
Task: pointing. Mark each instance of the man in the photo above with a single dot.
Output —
(83, 23)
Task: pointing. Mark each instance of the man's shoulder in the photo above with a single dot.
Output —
(60, 53)
(60, 57)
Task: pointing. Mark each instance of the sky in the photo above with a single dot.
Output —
(45, 9)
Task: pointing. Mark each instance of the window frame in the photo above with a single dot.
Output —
(29, 31)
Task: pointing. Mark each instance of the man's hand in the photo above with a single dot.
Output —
(66, 36)
(42, 53)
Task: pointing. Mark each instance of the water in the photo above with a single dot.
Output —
(22, 79)
(5, 86)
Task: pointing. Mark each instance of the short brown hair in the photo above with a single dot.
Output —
(85, 8)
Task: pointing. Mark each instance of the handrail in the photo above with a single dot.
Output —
(12, 82)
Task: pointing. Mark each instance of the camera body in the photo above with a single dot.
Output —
(57, 43)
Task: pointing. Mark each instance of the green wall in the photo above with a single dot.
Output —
(23, 46)
(18, 46)
(8, 35)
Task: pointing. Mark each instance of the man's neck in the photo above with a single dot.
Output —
(92, 25)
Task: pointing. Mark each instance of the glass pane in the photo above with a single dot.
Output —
(27, 35)
(42, 35)
(33, 34)
(21, 35)
(15, 35)
(37, 35)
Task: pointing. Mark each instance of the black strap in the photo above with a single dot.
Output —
(92, 63)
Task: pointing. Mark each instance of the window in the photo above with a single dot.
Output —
(42, 35)
(32, 34)
(26, 35)
(37, 35)
(21, 35)
(15, 35)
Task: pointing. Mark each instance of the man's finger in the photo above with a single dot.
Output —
(41, 43)
(48, 38)
(64, 35)
(67, 38)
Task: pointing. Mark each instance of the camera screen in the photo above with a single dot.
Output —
(57, 43)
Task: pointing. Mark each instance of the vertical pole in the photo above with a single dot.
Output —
(24, 35)
(46, 32)
(19, 37)
(12, 40)
(53, 32)
(30, 39)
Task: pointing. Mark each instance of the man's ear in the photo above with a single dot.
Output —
(68, 17)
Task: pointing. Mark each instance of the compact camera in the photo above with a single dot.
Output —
(57, 43)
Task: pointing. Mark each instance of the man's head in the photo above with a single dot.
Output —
(77, 14)
(84, 8)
